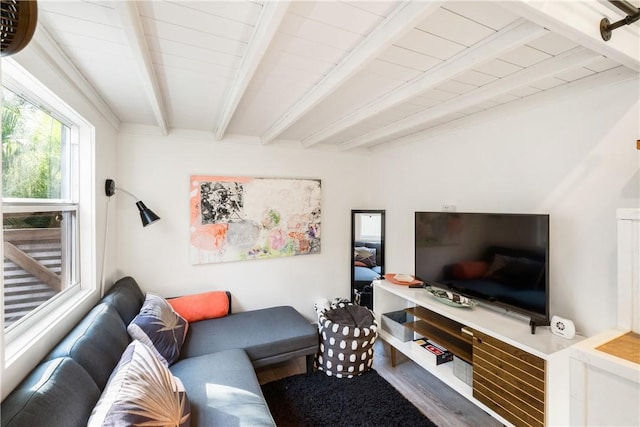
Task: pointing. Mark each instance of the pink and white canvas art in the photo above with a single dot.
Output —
(244, 218)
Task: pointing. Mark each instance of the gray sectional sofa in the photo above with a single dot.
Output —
(217, 364)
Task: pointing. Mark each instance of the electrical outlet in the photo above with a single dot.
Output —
(448, 208)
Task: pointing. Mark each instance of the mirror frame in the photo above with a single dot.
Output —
(353, 240)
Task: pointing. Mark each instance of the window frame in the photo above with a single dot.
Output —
(79, 200)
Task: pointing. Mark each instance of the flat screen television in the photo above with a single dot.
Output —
(499, 259)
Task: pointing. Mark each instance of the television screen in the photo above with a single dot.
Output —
(495, 258)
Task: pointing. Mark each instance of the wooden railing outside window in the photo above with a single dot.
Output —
(33, 269)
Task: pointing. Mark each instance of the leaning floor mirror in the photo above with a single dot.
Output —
(367, 253)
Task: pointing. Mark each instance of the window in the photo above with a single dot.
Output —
(369, 227)
(40, 201)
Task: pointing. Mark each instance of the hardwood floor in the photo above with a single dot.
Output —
(441, 404)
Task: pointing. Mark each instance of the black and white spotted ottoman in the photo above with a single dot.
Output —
(347, 335)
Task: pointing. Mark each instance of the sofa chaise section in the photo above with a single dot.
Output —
(269, 335)
(223, 390)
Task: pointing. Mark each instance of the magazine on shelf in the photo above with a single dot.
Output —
(431, 351)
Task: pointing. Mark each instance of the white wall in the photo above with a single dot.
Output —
(157, 170)
(574, 158)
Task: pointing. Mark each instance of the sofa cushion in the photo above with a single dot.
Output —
(159, 327)
(96, 343)
(223, 390)
(142, 391)
(58, 392)
(126, 297)
(268, 335)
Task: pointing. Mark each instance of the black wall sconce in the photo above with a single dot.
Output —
(147, 216)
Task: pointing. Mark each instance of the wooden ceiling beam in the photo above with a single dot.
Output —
(567, 60)
(505, 40)
(141, 57)
(396, 25)
(268, 23)
(596, 81)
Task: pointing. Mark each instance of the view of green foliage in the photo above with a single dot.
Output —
(31, 150)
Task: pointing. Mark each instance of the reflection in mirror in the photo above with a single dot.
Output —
(367, 253)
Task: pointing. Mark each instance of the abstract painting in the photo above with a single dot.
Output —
(244, 218)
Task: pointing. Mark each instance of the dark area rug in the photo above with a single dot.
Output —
(316, 399)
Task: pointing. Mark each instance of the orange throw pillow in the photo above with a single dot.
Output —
(208, 305)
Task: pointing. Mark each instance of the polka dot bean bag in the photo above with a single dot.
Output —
(347, 335)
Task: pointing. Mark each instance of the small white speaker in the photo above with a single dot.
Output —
(563, 327)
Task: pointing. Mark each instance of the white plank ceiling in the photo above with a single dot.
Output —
(332, 74)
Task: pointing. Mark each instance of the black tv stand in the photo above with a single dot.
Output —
(535, 323)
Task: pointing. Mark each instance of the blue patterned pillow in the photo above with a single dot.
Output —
(141, 391)
(159, 327)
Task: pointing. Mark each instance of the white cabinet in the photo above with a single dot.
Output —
(628, 274)
(505, 329)
(605, 389)
(605, 382)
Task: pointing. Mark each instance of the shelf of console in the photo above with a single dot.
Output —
(444, 372)
(454, 341)
(513, 331)
(507, 327)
